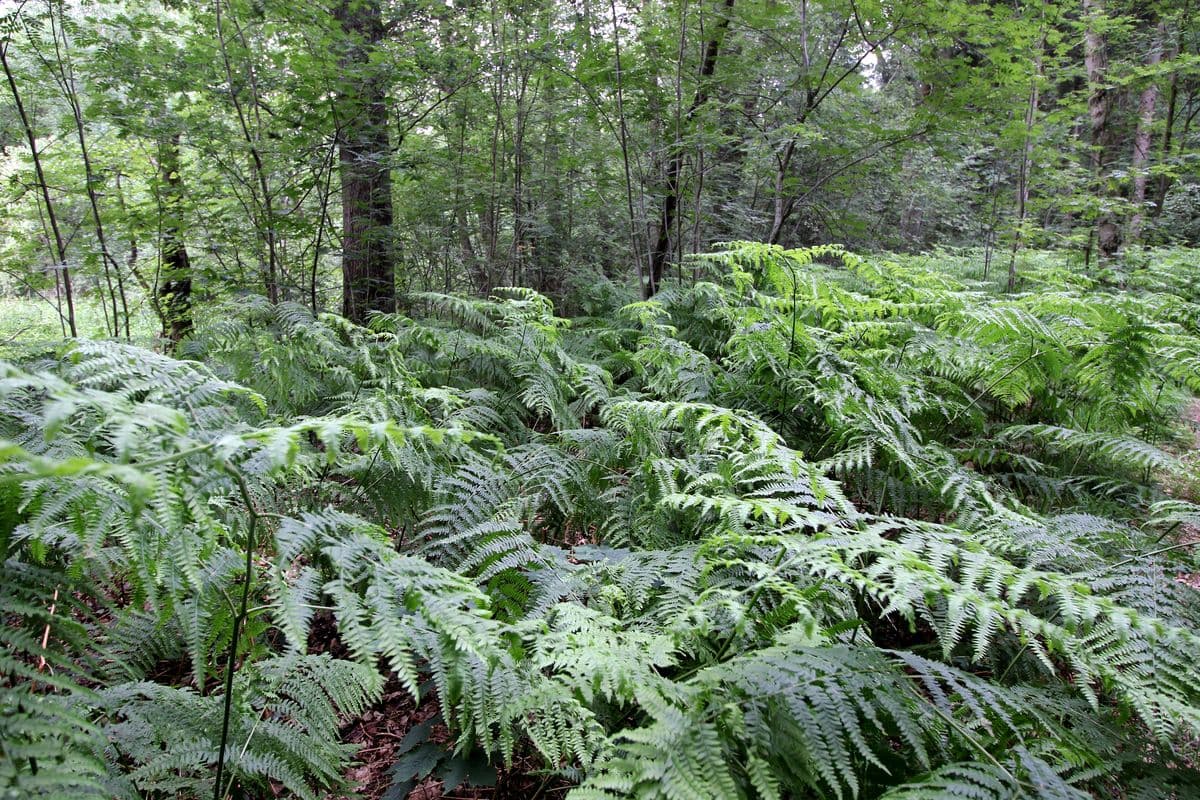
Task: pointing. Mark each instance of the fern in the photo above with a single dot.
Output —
(820, 526)
(284, 728)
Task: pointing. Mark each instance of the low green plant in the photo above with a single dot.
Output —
(822, 526)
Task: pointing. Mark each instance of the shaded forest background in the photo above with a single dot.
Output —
(342, 154)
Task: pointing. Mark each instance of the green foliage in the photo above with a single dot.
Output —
(798, 531)
(284, 729)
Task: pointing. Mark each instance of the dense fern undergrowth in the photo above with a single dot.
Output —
(814, 526)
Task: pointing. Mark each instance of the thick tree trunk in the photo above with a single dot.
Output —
(364, 154)
(1141, 140)
(175, 282)
(1108, 232)
(666, 223)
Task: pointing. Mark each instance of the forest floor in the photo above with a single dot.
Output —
(381, 730)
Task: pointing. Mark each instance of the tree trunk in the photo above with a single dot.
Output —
(31, 138)
(1177, 49)
(662, 247)
(272, 275)
(1108, 232)
(784, 205)
(1026, 164)
(66, 76)
(623, 135)
(175, 283)
(477, 271)
(1141, 140)
(1164, 180)
(364, 155)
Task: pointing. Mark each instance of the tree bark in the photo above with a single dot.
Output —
(708, 65)
(1026, 163)
(1108, 232)
(175, 283)
(31, 138)
(364, 156)
(1141, 139)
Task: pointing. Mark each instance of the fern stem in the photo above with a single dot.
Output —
(1131, 559)
(1168, 531)
(167, 459)
(218, 794)
(993, 384)
(787, 391)
(246, 746)
(966, 734)
(776, 567)
(362, 486)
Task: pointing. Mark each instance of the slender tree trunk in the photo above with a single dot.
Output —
(31, 138)
(131, 262)
(1141, 139)
(1164, 180)
(364, 155)
(624, 139)
(111, 267)
(784, 205)
(814, 95)
(268, 214)
(1108, 232)
(548, 251)
(175, 281)
(520, 242)
(670, 207)
(1026, 165)
(680, 53)
(313, 297)
(498, 89)
(720, 172)
(470, 260)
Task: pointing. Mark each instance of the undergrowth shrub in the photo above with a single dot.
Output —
(822, 526)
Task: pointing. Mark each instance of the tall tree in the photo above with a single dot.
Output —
(1023, 175)
(250, 123)
(365, 159)
(1178, 51)
(65, 77)
(1140, 160)
(175, 281)
(60, 246)
(1108, 231)
(661, 251)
